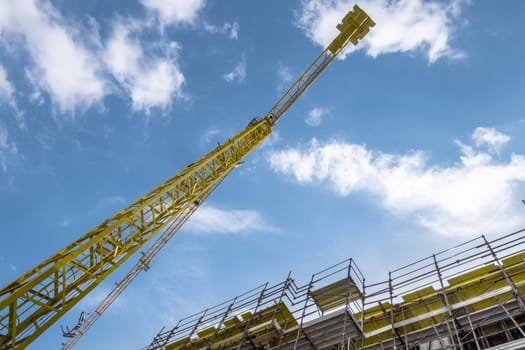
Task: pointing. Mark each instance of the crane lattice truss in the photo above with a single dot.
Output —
(466, 297)
(34, 301)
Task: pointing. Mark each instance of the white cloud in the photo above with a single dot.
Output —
(229, 29)
(284, 77)
(476, 195)
(109, 202)
(71, 65)
(238, 73)
(7, 148)
(65, 222)
(91, 301)
(151, 81)
(6, 88)
(209, 135)
(122, 54)
(315, 116)
(273, 139)
(63, 66)
(5, 266)
(401, 25)
(7, 91)
(174, 11)
(36, 98)
(156, 87)
(490, 137)
(470, 157)
(209, 220)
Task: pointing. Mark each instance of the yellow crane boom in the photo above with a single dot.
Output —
(33, 302)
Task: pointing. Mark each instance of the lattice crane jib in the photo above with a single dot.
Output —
(33, 302)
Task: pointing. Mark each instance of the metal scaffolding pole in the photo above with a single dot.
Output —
(226, 313)
(509, 281)
(303, 313)
(449, 309)
(246, 327)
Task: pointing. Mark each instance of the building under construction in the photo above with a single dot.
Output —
(468, 297)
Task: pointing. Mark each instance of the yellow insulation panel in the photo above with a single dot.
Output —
(207, 332)
(472, 276)
(376, 322)
(418, 294)
(515, 259)
(336, 294)
(231, 322)
(376, 310)
(177, 345)
(261, 325)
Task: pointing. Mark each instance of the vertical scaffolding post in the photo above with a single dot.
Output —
(483, 337)
(197, 324)
(395, 333)
(221, 323)
(503, 326)
(363, 300)
(303, 313)
(348, 287)
(472, 329)
(512, 319)
(281, 296)
(438, 337)
(405, 329)
(449, 309)
(157, 341)
(509, 281)
(247, 326)
(161, 339)
(391, 295)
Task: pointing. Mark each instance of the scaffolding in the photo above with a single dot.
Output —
(470, 296)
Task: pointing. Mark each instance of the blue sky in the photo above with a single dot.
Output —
(409, 143)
